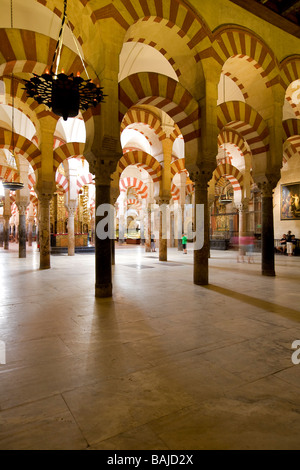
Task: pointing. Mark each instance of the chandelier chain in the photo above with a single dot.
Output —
(58, 46)
(12, 86)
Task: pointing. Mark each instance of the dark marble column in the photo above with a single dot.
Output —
(30, 226)
(113, 252)
(22, 231)
(44, 231)
(103, 245)
(201, 227)
(267, 235)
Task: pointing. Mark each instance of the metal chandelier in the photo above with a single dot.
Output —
(64, 94)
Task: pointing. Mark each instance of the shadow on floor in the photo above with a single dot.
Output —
(285, 312)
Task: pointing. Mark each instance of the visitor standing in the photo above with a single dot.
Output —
(184, 242)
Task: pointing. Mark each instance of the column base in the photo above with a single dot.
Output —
(201, 282)
(266, 272)
(103, 290)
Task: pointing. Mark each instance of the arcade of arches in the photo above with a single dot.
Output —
(196, 112)
(202, 108)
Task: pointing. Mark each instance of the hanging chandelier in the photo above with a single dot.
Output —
(64, 94)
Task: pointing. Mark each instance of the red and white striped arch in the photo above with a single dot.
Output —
(178, 166)
(8, 173)
(233, 175)
(291, 147)
(62, 182)
(175, 191)
(84, 180)
(243, 119)
(143, 160)
(133, 204)
(189, 189)
(132, 182)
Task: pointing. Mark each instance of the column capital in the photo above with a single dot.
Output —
(44, 199)
(201, 177)
(22, 203)
(268, 182)
(165, 199)
(22, 208)
(243, 205)
(266, 188)
(102, 169)
(71, 207)
(45, 191)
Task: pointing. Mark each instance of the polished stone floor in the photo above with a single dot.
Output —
(163, 365)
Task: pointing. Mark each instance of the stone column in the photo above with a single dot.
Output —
(22, 206)
(6, 217)
(165, 185)
(163, 229)
(242, 208)
(121, 218)
(113, 240)
(201, 247)
(180, 226)
(142, 225)
(181, 206)
(44, 230)
(267, 235)
(1, 231)
(6, 232)
(148, 230)
(114, 194)
(30, 226)
(71, 208)
(104, 215)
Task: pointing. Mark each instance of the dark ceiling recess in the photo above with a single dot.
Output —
(284, 14)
